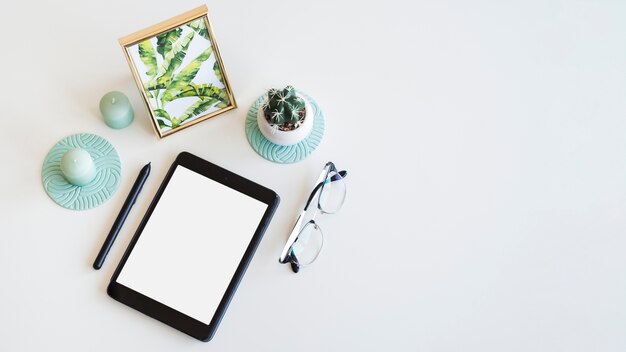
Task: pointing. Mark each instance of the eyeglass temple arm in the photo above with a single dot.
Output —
(342, 173)
(284, 257)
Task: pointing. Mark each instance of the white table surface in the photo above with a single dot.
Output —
(486, 147)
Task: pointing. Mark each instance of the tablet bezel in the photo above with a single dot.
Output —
(164, 313)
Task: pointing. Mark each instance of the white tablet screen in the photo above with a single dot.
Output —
(192, 244)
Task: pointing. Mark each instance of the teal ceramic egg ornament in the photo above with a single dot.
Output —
(81, 171)
(116, 110)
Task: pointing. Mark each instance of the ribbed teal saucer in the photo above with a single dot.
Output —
(108, 173)
(279, 153)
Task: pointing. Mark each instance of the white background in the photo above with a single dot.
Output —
(486, 147)
(194, 241)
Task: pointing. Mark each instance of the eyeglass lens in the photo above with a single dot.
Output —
(308, 245)
(309, 242)
(333, 193)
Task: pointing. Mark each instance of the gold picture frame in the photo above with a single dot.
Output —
(179, 71)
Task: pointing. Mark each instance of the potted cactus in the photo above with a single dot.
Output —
(285, 117)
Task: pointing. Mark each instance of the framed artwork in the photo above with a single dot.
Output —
(179, 72)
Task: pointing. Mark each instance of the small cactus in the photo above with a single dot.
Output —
(284, 109)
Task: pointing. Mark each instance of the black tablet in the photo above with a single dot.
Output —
(193, 246)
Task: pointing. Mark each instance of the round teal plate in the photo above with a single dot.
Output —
(108, 173)
(279, 153)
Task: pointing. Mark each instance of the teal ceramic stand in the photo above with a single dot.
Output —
(284, 154)
(96, 192)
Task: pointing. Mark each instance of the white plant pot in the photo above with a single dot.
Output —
(286, 137)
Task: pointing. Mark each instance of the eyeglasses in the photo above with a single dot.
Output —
(306, 239)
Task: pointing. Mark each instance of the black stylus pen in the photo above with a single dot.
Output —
(121, 217)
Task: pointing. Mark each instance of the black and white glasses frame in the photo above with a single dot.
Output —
(306, 237)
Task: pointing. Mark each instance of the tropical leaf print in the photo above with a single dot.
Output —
(218, 72)
(166, 40)
(171, 72)
(162, 113)
(199, 27)
(222, 104)
(162, 124)
(185, 76)
(163, 118)
(201, 91)
(173, 59)
(146, 54)
(197, 108)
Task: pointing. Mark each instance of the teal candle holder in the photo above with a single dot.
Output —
(67, 171)
(116, 110)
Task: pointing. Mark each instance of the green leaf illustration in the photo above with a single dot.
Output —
(173, 60)
(146, 54)
(166, 40)
(223, 98)
(153, 85)
(185, 76)
(204, 91)
(162, 123)
(199, 26)
(197, 108)
(218, 72)
(201, 91)
(163, 118)
(162, 113)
